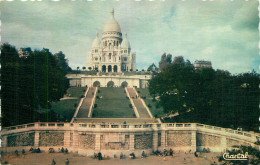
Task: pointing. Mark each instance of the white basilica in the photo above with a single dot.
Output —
(112, 53)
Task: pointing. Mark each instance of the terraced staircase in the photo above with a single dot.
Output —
(139, 104)
(85, 108)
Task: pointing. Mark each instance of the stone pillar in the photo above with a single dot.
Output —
(132, 142)
(36, 138)
(4, 143)
(67, 139)
(155, 140)
(223, 143)
(193, 141)
(75, 139)
(163, 139)
(97, 142)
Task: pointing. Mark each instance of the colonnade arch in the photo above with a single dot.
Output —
(124, 84)
(109, 68)
(96, 84)
(110, 84)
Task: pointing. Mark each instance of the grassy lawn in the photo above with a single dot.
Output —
(76, 91)
(65, 108)
(157, 112)
(113, 104)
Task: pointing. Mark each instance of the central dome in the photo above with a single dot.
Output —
(112, 25)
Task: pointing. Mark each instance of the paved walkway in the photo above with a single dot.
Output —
(46, 159)
(138, 104)
(84, 109)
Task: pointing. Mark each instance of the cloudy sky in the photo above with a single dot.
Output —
(222, 31)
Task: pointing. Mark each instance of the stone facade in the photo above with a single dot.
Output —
(178, 138)
(112, 53)
(115, 141)
(207, 140)
(139, 81)
(123, 138)
(87, 141)
(233, 142)
(23, 139)
(51, 138)
(144, 141)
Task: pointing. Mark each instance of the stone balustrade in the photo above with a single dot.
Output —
(131, 137)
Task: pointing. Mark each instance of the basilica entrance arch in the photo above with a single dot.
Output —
(96, 84)
(104, 68)
(110, 84)
(109, 69)
(124, 84)
(115, 68)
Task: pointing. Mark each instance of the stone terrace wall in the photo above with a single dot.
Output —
(232, 142)
(91, 137)
(87, 141)
(51, 138)
(144, 141)
(178, 138)
(207, 140)
(21, 139)
(115, 141)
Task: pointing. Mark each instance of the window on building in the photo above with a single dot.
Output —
(96, 50)
(105, 43)
(96, 58)
(110, 56)
(125, 58)
(114, 43)
(125, 51)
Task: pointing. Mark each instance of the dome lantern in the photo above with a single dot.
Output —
(96, 42)
(125, 43)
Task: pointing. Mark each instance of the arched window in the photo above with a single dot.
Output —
(117, 43)
(105, 43)
(110, 56)
(114, 43)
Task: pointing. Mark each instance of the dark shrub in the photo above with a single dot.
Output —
(149, 105)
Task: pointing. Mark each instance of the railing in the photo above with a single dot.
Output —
(131, 127)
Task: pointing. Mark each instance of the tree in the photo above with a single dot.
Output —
(165, 61)
(83, 68)
(89, 68)
(29, 84)
(62, 61)
(208, 96)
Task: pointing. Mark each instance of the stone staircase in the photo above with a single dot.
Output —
(139, 104)
(84, 109)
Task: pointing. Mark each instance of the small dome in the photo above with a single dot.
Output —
(125, 43)
(112, 24)
(96, 42)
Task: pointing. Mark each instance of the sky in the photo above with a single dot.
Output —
(222, 31)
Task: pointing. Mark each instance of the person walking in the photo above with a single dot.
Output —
(67, 162)
(53, 162)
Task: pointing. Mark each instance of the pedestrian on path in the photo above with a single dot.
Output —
(53, 162)
(67, 162)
